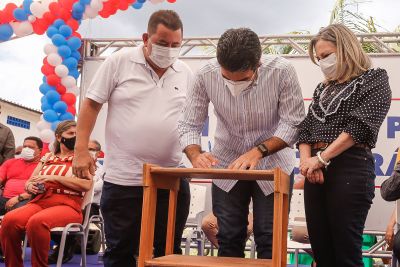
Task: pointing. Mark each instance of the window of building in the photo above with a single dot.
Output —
(18, 122)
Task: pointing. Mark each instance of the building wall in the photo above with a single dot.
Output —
(20, 133)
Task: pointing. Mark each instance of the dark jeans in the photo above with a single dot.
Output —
(232, 208)
(337, 209)
(121, 207)
(3, 202)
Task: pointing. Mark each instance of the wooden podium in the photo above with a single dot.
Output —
(155, 177)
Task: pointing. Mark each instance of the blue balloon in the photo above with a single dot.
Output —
(5, 32)
(141, 1)
(20, 14)
(64, 51)
(43, 99)
(58, 23)
(27, 6)
(66, 116)
(74, 43)
(78, 8)
(76, 55)
(58, 39)
(137, 5)
(50, 115)
(77, 16)
(44, 88)
(54, 125)
(45, 106)
(52, 97)
(84, 2)
(74, 73)
(44, 79)
(65, 30)
(51, 31)
(60, 107)
(71, 63)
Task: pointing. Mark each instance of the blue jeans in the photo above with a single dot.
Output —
(337, 209)
(232, 208)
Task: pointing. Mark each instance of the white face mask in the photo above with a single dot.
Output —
(93, 154)
(236, 87)
(27, 153)
(328, 66)
(162, 56)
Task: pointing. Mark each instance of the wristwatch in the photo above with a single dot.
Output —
(20, 198)
(263, 150)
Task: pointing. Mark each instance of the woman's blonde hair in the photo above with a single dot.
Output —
(352, 61)
(62, 127)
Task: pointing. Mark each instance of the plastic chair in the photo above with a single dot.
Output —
(76, 229)
(196, 213)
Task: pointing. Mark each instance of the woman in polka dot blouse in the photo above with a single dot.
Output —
(335, 144)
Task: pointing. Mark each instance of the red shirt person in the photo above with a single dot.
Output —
(15, 172)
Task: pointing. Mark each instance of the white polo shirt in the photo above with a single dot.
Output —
(143, 111)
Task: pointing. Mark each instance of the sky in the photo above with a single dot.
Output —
(21, 59)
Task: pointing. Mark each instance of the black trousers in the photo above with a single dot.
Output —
(337, 209)
(3, 202)
(121, 207)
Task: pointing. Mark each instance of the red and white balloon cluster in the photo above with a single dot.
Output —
(60, 20)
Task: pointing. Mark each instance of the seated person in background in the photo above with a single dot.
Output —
(209, 226)
(94, 149)
(57, 202)
(18, 151)
(71, 242)
(15, 172)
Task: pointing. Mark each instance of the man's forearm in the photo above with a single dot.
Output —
(274, 144)
(86, 121)
(192, 151)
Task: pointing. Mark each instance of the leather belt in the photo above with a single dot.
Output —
(323, 145)
(65, 192)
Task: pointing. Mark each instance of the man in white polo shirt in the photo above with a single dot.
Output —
(145, 89)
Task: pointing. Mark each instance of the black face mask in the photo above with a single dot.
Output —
(69, 142)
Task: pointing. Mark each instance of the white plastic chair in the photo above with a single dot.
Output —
(196, 213)
(77, 229)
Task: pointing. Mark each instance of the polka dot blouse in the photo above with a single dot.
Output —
(357, 107)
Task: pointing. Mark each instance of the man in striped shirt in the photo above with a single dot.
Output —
(258, 105)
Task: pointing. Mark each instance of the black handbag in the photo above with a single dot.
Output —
(390, 189)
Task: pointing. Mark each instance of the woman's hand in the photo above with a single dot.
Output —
(32, 188)
(316, 177)
(43, 179)
(389, 237)
(309, 165)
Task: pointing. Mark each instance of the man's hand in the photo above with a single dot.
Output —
(11, 202)
(83, 165)
(204, 160)
(249, 160)
(389, 237)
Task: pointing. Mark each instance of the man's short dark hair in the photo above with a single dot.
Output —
(239, 50)
(39, 142)
(168, 18)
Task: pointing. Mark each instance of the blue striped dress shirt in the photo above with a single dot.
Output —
(272, 106)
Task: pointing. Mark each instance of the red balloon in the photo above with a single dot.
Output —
(67, 4)
(171, 1)
(123, 5)
(47, 70)
(65, 14)
(49, 18)
(73, 24)
(8, 12)
(54, 9)
(77, 34)
(61, 89)
(39, 26)
(53, 80)
(2, 19)
(72, 110)
(69, 98)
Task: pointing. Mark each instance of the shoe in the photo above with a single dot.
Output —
(68, 255)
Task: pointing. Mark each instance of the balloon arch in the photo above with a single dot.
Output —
(60, 20)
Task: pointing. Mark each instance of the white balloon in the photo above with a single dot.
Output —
(38, 9)
(43, 125)
(21, 28)
(68, 82)
(50, 49)
(156, 1)
(61, 71)
(74, 90)
(54, 59)
(96, 5)
(90, 12)
(47, 135)
(31, 18)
